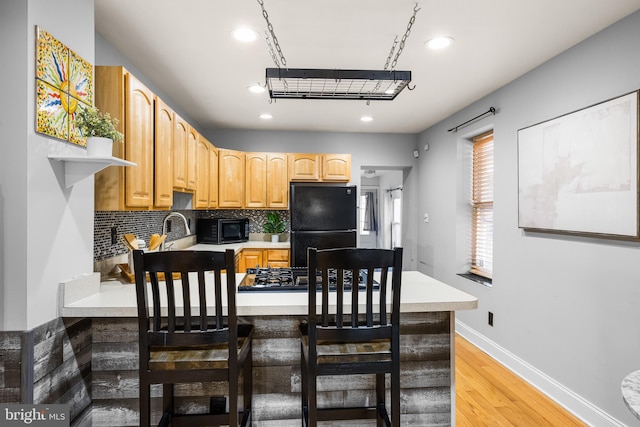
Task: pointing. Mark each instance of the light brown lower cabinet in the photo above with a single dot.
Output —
(252, 258)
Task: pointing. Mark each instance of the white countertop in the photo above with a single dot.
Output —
(87, 297)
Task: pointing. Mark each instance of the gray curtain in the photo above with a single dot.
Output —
(370, 219)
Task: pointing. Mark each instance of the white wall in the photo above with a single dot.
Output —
(47, 229)
(566, 308)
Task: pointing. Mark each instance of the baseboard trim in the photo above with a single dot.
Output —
(568, 399)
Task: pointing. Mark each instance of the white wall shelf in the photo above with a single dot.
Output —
(77, 168)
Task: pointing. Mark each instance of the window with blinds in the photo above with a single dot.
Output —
(482, 206)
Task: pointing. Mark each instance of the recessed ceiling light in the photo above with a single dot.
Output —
(266, 116)
(245, 35)
(389, 91)
(257, 88)
(366, 119)
(439, 43)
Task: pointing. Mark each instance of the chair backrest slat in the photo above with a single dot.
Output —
(155, 293)
(171, 302)
(218, 296)
(369, 291)
(179, 327)
(186, 296)
(354, 298)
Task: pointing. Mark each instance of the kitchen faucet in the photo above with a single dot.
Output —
(164, 226)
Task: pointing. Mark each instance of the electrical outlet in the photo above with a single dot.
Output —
(490, 319)
(169, 226)
(114, 235)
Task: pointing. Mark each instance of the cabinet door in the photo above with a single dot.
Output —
(277, 258)
(180, 133)
(139, 144)
(277, 181)
(231, 167)
(304, 167)
(109, 95)
(250, 258)
(163, 149)
(213, 177)
(336, 167)
(256, 180)
(192, 143)
(202, 184)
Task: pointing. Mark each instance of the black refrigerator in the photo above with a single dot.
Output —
(322, 217)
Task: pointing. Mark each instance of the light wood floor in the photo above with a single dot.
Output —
(488, 394)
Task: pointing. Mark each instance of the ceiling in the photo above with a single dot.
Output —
(185, 48)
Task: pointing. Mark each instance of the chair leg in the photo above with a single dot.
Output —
(167, 398)
(145, 403)
(233, 402)
(382, 418)
(303, 387)
(312, 397)
(395, 396)
(247, 387)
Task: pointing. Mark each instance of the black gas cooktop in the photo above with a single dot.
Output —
(292, 279)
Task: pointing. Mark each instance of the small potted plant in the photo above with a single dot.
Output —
(99, 129)
(274, 226)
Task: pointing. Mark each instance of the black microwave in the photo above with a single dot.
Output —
(220, 230)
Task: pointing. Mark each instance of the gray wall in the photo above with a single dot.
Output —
(566, 308)
(46, 229)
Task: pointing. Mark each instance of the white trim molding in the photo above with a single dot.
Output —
(568, 399)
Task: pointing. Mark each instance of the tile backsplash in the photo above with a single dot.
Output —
(145, 223)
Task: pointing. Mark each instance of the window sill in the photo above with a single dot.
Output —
(478, 279)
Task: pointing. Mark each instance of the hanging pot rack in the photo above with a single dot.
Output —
(337, 84)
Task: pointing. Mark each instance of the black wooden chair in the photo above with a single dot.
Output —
(361, 340)
(181, 346)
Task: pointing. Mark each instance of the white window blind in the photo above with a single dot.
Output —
(482, 203)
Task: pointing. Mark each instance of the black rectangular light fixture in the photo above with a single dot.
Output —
(310, 83)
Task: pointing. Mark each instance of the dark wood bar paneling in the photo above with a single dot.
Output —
(426, 374)
(10, 356)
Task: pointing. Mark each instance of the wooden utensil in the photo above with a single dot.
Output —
(130, 240)
(156, 240)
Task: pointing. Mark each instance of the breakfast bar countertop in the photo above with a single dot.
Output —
(86, 296)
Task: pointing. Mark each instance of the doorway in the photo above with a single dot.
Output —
(380, 213)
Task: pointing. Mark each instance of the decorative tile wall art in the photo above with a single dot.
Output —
(64, 85)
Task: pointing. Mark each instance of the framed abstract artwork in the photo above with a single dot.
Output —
(64, 86)
(578, 173)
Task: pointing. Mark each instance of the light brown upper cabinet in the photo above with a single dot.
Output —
(180, 132)
(203, 170)
(336, 167)
(255, 191)
(231, 164)
(304, 167)
(319, 167)
(206, 195)
(192, 161)
(266, 183)
(213, 177)
(163, 150)
(277, 181)
(125, 98)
